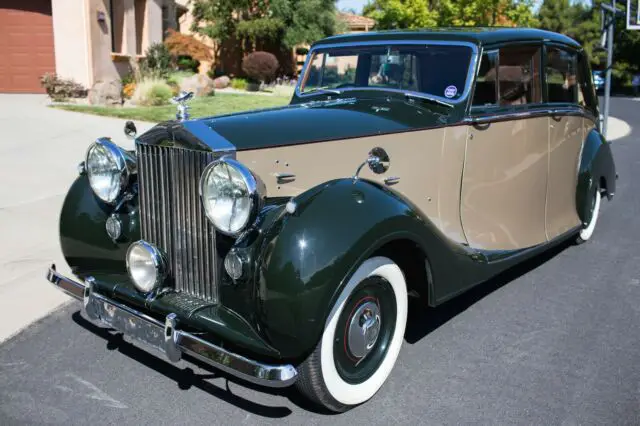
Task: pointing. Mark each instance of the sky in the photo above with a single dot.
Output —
(351, 4)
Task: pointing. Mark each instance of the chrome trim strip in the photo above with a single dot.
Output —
(462, 98)
(513, 115)
(170, 341)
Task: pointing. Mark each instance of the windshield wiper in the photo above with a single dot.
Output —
(423, 96)
(323, 89)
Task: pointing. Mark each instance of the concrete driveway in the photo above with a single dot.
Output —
(39, 152)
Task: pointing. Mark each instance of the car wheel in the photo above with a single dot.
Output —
(587, 231)
(361, 339)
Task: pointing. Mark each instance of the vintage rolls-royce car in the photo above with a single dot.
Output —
(281, 245)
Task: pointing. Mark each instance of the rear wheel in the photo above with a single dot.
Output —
(361, 340)
(587, 231)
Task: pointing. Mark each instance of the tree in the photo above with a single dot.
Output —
(400, 14)
(290, 22)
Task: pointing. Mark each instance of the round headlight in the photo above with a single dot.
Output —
(108, 168)
(230, 195)
(146, 266)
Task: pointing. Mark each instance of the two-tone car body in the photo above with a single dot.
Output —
(281, 245)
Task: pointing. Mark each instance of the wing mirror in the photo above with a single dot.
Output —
(378, 161)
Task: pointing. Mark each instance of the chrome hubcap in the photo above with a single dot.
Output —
(364, 329)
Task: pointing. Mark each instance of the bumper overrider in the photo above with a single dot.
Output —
(166, 338)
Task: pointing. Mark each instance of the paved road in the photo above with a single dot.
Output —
(556, 341)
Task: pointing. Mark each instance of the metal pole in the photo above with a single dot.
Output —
(607, 84)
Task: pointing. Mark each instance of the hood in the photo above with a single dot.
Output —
(324, 120)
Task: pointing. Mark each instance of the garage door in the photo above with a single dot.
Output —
(26, 44)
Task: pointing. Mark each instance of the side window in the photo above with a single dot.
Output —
(561, 74)
(586, 95)
(486, 90)
(519, 75)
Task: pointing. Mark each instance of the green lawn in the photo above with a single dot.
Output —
(221, 103)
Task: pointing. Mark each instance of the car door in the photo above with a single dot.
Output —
(565, 139)
(504, 181)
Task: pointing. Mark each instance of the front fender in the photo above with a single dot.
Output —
(596, 164)
(309, 255)
(83, 238)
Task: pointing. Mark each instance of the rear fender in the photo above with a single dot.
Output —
(596, 164)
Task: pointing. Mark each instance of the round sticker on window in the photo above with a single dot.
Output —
(450, 91)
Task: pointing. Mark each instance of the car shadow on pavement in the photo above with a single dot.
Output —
(186, 377)
(424, 319)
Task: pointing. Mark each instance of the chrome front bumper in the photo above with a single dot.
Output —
(167, 339)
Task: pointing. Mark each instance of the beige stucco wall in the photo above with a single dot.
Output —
(83, 47)
(71, 40)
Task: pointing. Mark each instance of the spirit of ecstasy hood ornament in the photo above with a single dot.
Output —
(181, 103)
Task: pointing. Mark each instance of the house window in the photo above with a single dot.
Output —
(140, 12)
(116, 14)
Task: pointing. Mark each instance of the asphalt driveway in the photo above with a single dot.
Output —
(555, 341)
(39, 151)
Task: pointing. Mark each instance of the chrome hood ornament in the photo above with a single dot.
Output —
(181, 103)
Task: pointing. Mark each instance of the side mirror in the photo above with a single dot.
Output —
(130, 129)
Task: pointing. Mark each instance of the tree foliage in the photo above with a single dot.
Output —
(291, 22)
(392, 14)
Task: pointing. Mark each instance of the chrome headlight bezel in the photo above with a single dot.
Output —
(254, 187)
(125, 165)
(159, 264)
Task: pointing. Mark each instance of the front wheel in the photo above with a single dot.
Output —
(361, 339)
(587, 231)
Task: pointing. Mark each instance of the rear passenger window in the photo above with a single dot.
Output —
(519, 75)
(510, 76)
(561, 72)
(586, 95)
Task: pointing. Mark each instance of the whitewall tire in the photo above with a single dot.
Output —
(587, 232)
(362, 338)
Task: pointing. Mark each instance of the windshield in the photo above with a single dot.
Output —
(437, 70)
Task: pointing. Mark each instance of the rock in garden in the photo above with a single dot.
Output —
(222, 82)
(199, 84)
(106, 93)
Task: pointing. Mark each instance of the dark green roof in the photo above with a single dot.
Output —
(477, 35)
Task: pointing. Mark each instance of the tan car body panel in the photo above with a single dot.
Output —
(566, 136)
(504, 186)
(428, 162)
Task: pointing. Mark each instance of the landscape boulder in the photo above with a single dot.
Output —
(106, 93)
(222, 82)
(200, 85)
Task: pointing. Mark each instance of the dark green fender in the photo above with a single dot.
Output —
(597, 168)
(307, 257)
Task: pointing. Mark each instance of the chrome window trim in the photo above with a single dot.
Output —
(473, 65)
(531, 113)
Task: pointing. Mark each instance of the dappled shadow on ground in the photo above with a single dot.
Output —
(423, 319)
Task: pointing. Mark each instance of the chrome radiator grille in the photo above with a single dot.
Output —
(172, 217)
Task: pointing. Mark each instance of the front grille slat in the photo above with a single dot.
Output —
(172, 217)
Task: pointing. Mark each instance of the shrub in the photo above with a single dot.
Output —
(128, 90)
(157, 61)
(187, 63)
(60, 89)
(179, 44)
(239, 83)
(260, 66)
(151, 92)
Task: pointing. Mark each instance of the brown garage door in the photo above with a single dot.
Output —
(26, 44)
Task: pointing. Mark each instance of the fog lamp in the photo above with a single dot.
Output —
(233, 264)
(146, 266)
